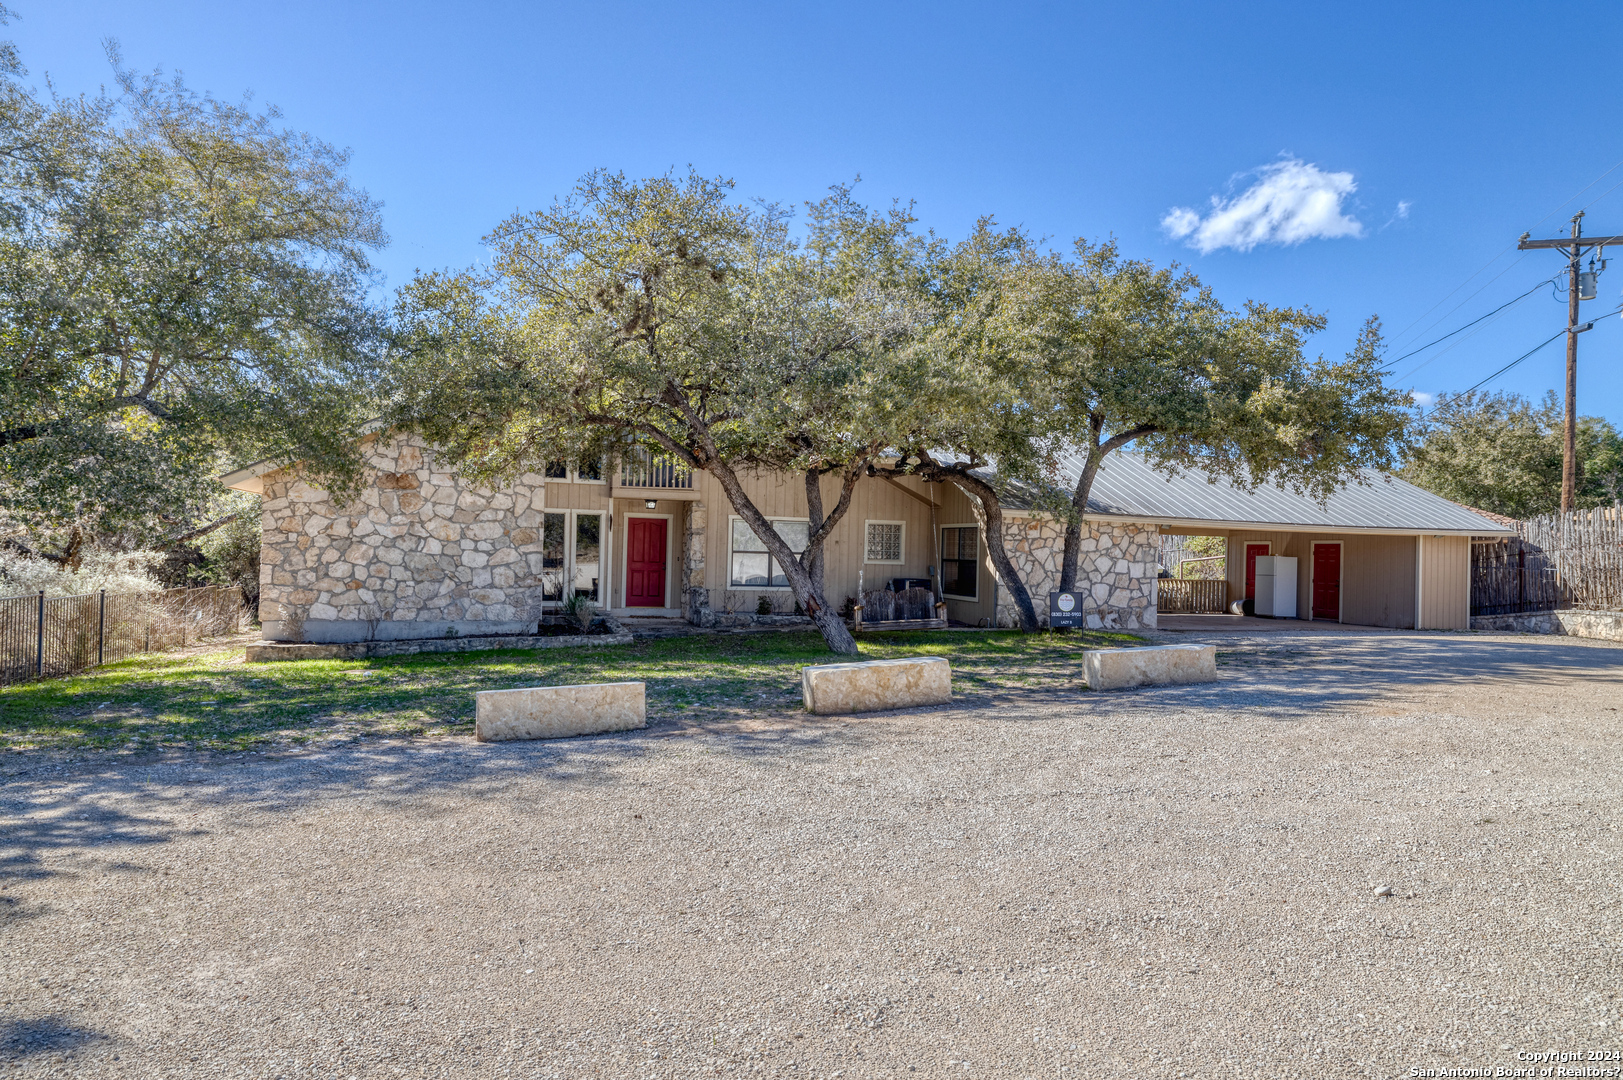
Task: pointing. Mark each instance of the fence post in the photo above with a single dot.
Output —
(39, 639)
(101, 630)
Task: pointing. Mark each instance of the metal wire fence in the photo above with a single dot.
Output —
(45, 637)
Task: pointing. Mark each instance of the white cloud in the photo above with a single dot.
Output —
(1403, 207)
(1423, 399)
(1291, 201)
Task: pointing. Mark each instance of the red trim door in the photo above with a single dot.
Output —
(1251, 553)
(1327, 582)
(645, 562)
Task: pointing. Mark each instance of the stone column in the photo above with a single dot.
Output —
(695, 594)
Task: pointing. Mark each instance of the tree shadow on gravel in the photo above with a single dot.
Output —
(21, 1038)
(72, 806)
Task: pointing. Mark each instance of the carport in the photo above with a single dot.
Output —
(1380, 552)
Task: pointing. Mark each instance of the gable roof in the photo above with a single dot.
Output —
(1127, 488)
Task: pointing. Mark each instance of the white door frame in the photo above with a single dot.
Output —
(625, 558)
(981, 559)
(605, 560)
(1341, 575)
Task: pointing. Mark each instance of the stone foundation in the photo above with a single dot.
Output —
(366, 650)
(1116, 570)
(1603, 625)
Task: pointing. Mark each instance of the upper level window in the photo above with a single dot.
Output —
(882, 541)
(960, 561)
(590, 473)
(749, 565)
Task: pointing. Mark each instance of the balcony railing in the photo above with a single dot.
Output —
(649, 469)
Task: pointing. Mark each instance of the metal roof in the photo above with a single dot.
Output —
(1126, 487)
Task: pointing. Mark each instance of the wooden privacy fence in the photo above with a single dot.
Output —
(1571, 560)
(1512, 578)
(51, 636)
(1186, 596)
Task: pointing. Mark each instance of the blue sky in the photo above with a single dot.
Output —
(1410, 144)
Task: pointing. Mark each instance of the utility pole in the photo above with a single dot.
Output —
(1577, 289)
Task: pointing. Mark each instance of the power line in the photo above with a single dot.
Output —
(1516, 361)
(1470, 324)
(1533, 350)
(1400, 334)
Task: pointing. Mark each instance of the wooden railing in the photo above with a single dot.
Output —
(647, 469)
(1183, 596)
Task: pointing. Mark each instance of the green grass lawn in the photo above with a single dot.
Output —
(216, 701)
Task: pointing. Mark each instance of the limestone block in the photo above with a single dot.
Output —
(833, 689)
(557, 712)
(1158, 665)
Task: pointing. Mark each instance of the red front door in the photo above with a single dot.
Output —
(645, 562)
(1251, 553)
(1327, 582)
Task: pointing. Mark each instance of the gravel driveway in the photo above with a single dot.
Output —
(1174, 882)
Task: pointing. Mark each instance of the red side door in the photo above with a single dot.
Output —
(645, 562)
(1251, 553)
(1327, 582)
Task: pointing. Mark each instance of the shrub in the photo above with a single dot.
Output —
(127, 573)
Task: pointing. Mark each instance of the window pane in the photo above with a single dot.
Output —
(744, 538)
(591, 470)
(779, 578)
(557, 470)
(552, 557)
(884, 543)
(960, 543)
(588, 553)
(750, 571)
(794, 534)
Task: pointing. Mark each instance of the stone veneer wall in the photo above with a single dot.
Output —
(1117, 568)
(420, 553)
(1605, 625)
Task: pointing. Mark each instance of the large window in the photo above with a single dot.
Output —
(750, 567)
(882, 541)
(571, 554)
(552, 555)
(960, 561)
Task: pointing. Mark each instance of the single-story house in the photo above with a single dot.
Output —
(422, 552)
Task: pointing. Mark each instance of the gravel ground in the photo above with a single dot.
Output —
(1173, 882)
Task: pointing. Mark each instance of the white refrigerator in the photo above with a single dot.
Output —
(1276, 587)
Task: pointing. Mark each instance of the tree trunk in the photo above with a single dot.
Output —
(989, 511)
(808, 593)
(1074, 527)
(1084, 488)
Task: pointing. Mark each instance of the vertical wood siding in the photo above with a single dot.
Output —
(1446, 583)
(785, 497)
(1377, 573)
